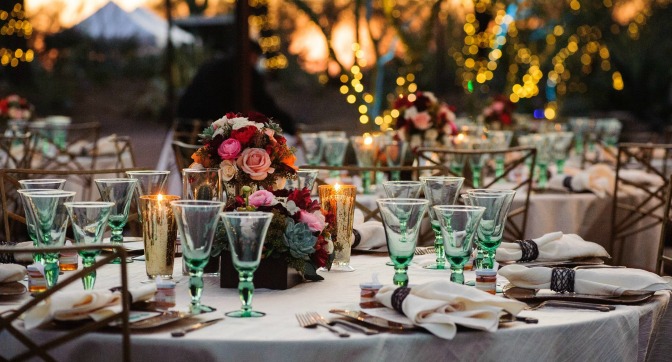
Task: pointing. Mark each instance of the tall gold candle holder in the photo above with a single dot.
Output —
(159, 231)
(340, 200)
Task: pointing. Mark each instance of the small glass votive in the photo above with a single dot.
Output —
(340, 200)
(486, 280)
(367, 295)
(159, 232)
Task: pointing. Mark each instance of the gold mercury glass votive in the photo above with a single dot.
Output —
(159, 231)
(340, 200)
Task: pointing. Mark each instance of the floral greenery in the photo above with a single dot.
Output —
(499, 114)
(298, 233)
(15, 107)
(423, 120)
(248, 150)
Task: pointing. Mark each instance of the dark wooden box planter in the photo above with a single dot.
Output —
(272, 274)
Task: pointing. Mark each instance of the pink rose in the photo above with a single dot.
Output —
(271, 135)
(315, 221)
(422, 121)
(256, 163)
(229, 149)
(498, 107)
(262, 198)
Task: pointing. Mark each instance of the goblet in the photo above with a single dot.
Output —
(313, 145)
(366, 152)
(458, 226)
(402, 219)
(500, 140)
(334, 152)
(37, 184)
(543, 143)
(402, 189)
(456, 162)
(120, 192)
(477, 160)
(491, 227)
(196, 222)
(150, 182)
(395, 152)
(304, 179)
(560, 148)
(89, 219)
(440, 190)
(246, 232)
(202, 184)
(51, 218)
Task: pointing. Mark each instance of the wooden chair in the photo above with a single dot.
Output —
(187, 130)
(632, 215)
(183, 152)
(515, 158)
(16, 150)
(12, 210)
(122, 154)
(41, 347)
(75, 149)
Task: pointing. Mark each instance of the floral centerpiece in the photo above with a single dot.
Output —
(249, 150)
(300, 233)
(14, 107)
(499, 114)
(423, 120)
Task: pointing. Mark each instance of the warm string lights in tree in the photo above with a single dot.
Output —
(15, 29)
(540, 52)
(262, 20)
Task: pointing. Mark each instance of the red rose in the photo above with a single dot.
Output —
(506, 118)
(257, 117)
(244, 135)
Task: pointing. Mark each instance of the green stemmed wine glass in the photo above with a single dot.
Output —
(402, 189)
(477, 160)
(500, 140)
(120, 192)
(150, 182)
(440, 190)
(246, 232)
(304, 179)
(395, 153)
(458, 226)
(366, 152)
(402, 219)
(89, 219)
(491, 227)
(37, 184)
(51, 218)
(196, 222)
(313, 146)
(334, 152)
(563, 141)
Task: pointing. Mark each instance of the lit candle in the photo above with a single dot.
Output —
(340, 200)
(159, 232)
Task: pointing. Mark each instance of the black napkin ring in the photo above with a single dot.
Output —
(567, 183)
(398, 297)
(529, 248)
(358, 238)
(562, 280)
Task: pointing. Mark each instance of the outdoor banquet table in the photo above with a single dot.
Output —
(629, 333)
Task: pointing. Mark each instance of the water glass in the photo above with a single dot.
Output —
(304, 179)
(89, 219)
(120, 192)
(150, 182)
(246, 232)
(334, 152)
(492, 225)
(440, 190)
(202, 184)
(402, 189)
(402, 219)
(458, 228)
(313, 146)
(395, 153)
(37, 184)
(366, 152)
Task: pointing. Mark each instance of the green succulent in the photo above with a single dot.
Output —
(299, 239)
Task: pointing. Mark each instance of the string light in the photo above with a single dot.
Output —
(16, 24)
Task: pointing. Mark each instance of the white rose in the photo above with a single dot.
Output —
(292, 208)
(196, 166)
(410, 113)
(330, 246)
(430, 95)
(220, 122)
(227, 170)
(416, 141)
(241, 122)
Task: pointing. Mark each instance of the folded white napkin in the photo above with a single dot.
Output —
(76, 305)
(24, 257)
(554, 246)
(596, 281)
(439, 306)
(598, 179)
(11, 273)
(640, 177)
(372, 233)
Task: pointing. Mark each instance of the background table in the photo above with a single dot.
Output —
(629, 333)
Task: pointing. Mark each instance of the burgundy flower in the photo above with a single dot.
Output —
(244, 134)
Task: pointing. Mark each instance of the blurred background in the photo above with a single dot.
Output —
(340, 64)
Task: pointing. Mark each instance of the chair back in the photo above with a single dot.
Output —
(187, 130)
(15, 150)
(183, 152)
(40, 345)
(71, 147)
(640, 203)
(515, 159)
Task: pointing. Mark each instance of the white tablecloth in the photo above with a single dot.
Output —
(629, 333)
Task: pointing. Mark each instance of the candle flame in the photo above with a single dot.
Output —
(368, 140)
(159, 197)
(337, 186)
(459, 138)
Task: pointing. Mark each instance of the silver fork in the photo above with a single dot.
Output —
(306, 321)
(572, 304)
(367, 331)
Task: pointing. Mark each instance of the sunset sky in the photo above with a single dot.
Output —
(76, 10)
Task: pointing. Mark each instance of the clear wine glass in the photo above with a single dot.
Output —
(120, 192)
(246, 232)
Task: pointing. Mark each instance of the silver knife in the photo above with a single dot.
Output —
(182, 332)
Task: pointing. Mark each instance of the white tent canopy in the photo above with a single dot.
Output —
(112, 22)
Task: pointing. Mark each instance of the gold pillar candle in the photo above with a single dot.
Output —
(340, 200)
(159, 232)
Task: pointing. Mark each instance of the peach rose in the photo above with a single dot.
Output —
(256, 163)
(422, 121)
(227, 170)
(229, 149)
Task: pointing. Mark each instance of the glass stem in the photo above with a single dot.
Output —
(89, 280)
(246, 291)
(489, 259)
(499, 168)
(117, 237)
(457, 274)
(51, 269)
(396, 175)
(366, 182)
(478, 261)
(400, 277)
(456, 169)
(438, 246)
(37, 257)
(195, 289)
(560, 165)
(543, 177)
(380, 176)
(476, 176)
(334, 174)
